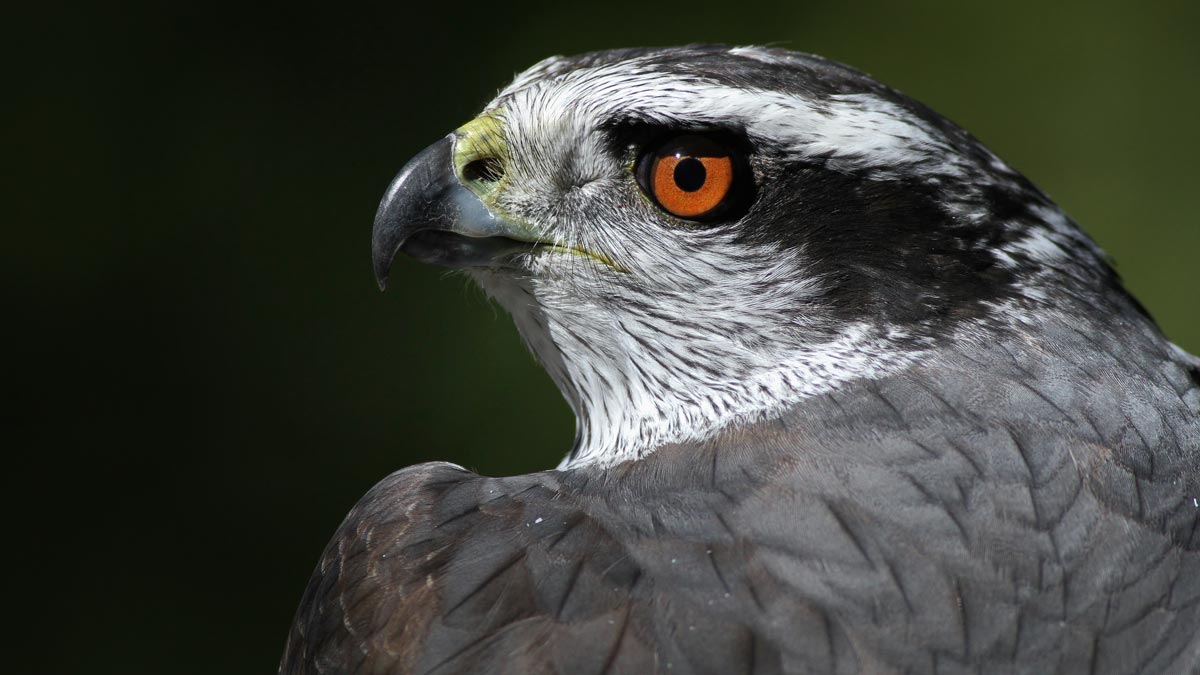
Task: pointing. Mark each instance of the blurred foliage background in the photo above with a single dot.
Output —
(205, 376)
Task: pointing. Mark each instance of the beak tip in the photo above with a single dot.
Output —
(383, 254)
(423, 195)
(383, 271)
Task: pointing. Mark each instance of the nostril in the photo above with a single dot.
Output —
(484, 170)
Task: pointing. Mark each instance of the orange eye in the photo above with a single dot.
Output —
(690, 177)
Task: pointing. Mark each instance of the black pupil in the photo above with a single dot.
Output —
(690, 174)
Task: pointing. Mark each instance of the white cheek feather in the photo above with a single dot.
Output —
(633, 379)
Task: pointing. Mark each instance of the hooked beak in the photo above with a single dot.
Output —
(429, 214)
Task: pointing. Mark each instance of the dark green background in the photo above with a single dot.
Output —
(206, 377)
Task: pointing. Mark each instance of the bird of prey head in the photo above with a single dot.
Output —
(691, 237)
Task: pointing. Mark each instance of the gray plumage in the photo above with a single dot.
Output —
(1023, 496)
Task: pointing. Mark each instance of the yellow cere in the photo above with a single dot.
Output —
(477, 143)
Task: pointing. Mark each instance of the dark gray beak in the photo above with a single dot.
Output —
(429, 214)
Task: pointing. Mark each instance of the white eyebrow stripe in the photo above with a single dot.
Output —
(847, 132)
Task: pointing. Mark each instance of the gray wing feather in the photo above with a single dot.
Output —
(1010, 509)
